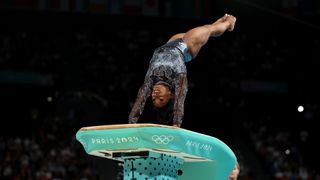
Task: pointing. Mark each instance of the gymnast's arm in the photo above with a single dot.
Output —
(181, 88)
(143, 93)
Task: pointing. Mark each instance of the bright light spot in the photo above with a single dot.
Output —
(49, 99)
(287, 151)
(300, 109)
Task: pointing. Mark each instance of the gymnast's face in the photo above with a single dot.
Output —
(161, 95)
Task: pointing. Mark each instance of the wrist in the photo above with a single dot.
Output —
(133, 120)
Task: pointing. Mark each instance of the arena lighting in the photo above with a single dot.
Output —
(287, 152)
(49, 99)
(300, 108)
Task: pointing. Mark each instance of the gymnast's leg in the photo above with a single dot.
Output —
(199, 36)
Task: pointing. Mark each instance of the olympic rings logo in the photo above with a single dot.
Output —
(162, 139)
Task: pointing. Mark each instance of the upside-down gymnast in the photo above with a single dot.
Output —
(166, 78)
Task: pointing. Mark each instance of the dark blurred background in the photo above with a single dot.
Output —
(66, 64)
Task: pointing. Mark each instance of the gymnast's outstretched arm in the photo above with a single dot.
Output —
(138, 106)
(181, 88)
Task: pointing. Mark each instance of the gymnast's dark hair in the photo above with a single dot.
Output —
(165, 114)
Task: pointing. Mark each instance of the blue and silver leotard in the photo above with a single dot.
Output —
(167, 66)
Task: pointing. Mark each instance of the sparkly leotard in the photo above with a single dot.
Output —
(167, 66)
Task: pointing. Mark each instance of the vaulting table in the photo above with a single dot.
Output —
(159, 152)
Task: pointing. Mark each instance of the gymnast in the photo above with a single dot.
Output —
(166, 77)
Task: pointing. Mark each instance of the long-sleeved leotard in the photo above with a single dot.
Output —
(167, 66)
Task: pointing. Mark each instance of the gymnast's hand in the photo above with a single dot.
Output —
(133, 120)
(176, 125)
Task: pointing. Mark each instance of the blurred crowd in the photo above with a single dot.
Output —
(48, 152)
